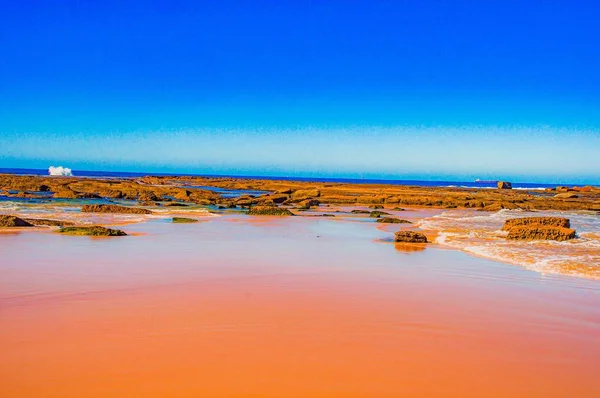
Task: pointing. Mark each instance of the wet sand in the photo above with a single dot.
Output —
(299, 307)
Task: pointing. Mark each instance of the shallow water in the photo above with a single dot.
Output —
(294, 307)
(480, 233)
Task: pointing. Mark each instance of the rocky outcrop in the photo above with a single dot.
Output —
(183, 220)
(12, 221)
(410, 237)
(392, 220)
(566, 195)
(91, 231)
(307, 204)
(65, 194)
(540, 221)
(377, 214)
(540, 232)
(360, 212)
(269, 211)
(113, 209)
(303, 194)
(48, 223)
(504, 185)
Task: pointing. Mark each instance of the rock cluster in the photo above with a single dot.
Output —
(543, 221)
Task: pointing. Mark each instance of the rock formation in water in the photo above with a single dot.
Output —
(183, 220)
(543, 221)
(113, 209)
(504, 185)
(410, 237)
(91, 231)
(12, 221)
(540, 232)
(269, 211)
(392, 220)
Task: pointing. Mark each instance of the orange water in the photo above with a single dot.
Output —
(284, 308)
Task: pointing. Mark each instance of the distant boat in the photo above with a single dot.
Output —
(486, 181)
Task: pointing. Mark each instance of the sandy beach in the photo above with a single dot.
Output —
(237, 306)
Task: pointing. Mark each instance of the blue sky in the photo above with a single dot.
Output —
(389, 89)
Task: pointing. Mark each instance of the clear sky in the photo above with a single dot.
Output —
(388, 89)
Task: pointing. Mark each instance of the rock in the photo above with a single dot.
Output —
(48, 223)
(410, 237)
(392, 220)
(308, 203)
(539, 221)
(176, 204)
(269, 211)
(376, 207)
(500, 206)
(377, 214)
(113, 209)
(360, 212)
(504, 185)
(278, 198)
(183, 220)
(91, 231)
(398, 209)
(148, 196)
(566, 195)
(12, 221)
(65, 194)
(540, 232)
(303, 194)
(285, 191)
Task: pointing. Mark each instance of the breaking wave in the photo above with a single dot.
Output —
(480, 234)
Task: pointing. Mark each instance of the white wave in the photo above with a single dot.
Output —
(60, 171)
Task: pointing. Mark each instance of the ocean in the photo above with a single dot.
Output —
(425, 183)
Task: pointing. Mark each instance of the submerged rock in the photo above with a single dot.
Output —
(91, 231)
(48, 223)
(540, 221)
(113, 209)
(504, 185)
(12, 221)
(377, 214)
(307, 204)
(410, 237)
(183, 220)
(360, 211)
(392, 220)
(540, 232)
(269, 211)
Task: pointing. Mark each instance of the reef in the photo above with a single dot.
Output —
(183, 220)
(91, 231)
(269, 211)
(113, 209)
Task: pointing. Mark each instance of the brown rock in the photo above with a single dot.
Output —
(48, 223)
(12, 221)
(540, 221)
(540, 232)
(410, 237)
(66, 194)
(303, 194)
(113, 209)
(392, 220)
(91, 231)
(566, 195)
(504, 185)
(269, 211)
(377, 214)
